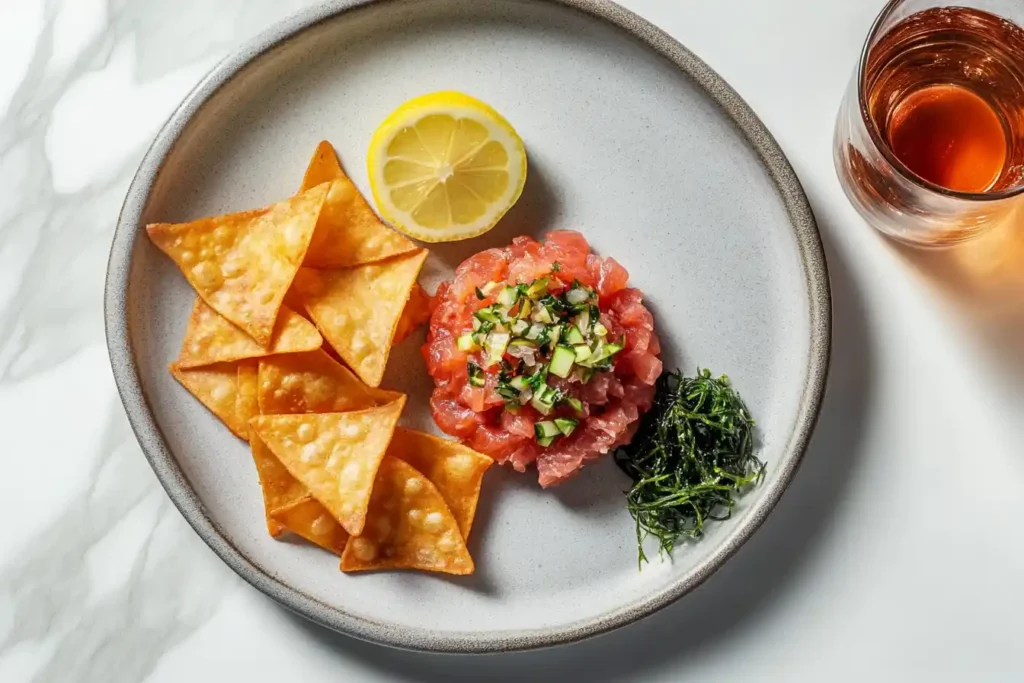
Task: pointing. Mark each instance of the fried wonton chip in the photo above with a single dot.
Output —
(335, 456)
(408, 526)
(211, 338)
(348, 232)
(289, 505)
(313, 382)
(216, 387)
(357, 309)
(456, 471)
(311, 520)
(242, 264)
(417, 312)
(280, 488)
(246, 403)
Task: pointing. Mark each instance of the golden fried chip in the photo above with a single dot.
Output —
(289, 505)
(246, 403)
(408, 526)
(311, 520)
(417, 312)
(313, 382)
(357, 309)
(456, 471)
(211, 338)
(335, 456)
(242, 264)
(216, 387)
(280, 488)
(348, 232)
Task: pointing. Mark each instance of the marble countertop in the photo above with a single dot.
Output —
(895, 556)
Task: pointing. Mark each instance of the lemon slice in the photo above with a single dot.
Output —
(445, 167)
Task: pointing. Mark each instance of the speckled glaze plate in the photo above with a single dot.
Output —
(632, 140)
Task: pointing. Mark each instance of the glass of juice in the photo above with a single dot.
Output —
(929, 142)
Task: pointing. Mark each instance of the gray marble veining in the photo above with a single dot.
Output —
(104, 576)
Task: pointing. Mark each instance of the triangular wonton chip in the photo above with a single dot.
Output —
(288, 504)
(348, 232)
(311, 520)
(357, 309)
(242, 264)
(280, 488)
(313, 382)
(456, 470)
(216, 387)
(211, 338)
(246, 403)
(335, 456)
(408, 526)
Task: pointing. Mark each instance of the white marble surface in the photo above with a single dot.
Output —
(895, 556)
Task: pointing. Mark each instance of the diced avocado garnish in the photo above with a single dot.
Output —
(477, 378)
(544, 398)
(574, 336)
(583, 353)
(566, 425)
(523, 342)
(525, 307)
(468, 343)
(507, 392)
(488, 314)
(507, 297)
(604, 352)
(601, 353)
(495, 345)
(546, 441)
(562, 360)
(538, 289)
(541, 407)
(546, 429)
(563, 326)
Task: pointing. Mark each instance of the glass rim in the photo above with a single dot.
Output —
(883, 147)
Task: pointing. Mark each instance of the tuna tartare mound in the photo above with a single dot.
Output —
(541, 353)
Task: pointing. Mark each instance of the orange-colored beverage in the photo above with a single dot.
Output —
(945, 88)
(929, 141)
(950, 136)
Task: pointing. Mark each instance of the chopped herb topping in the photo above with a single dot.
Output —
(532, 330)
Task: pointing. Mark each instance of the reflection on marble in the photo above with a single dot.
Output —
(99, 574)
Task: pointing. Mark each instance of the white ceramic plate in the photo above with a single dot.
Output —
(631, 140)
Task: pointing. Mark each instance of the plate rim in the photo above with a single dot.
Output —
(181, 493)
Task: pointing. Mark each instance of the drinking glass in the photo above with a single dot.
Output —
(887, 193)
